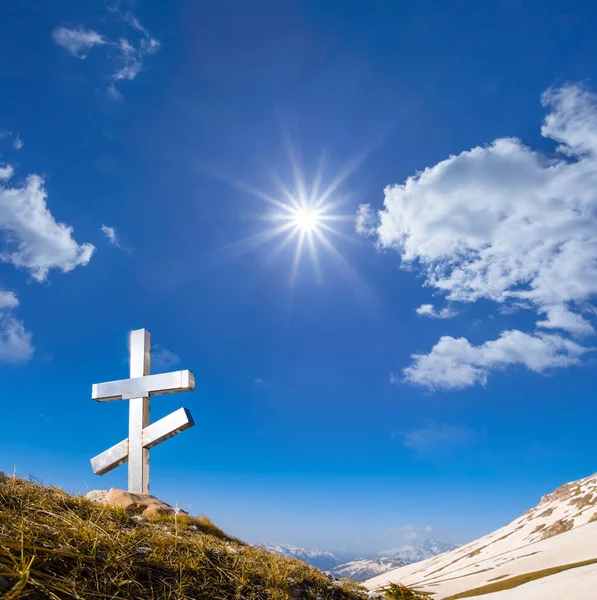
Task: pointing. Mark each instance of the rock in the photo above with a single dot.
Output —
(155, 509)
(143, 504)
(134, 504)
(96, 495)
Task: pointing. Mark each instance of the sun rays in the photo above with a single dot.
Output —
(303, 218)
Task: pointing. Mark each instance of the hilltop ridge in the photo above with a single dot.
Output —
(55, 546)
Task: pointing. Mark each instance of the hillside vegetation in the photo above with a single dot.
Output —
(61, 547)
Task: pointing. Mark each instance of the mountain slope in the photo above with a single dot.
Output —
(57, 546)
(553, 541)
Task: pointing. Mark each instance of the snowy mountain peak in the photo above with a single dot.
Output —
(575, 491)
(365, 568)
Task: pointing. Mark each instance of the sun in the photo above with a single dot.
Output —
(306, 219)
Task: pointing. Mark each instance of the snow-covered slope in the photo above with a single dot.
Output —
(561, 530)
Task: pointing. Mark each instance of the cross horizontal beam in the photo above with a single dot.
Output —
(154, 434)
(142, 387)
(111, 458)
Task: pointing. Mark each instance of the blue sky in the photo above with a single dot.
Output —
(433, 379)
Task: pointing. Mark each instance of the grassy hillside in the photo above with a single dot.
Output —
(62, 547)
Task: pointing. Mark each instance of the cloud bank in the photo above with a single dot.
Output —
(34, 241)
(510, 224)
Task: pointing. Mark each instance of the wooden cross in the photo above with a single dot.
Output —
(142, 435)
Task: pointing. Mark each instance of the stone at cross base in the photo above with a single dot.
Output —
(145, 505)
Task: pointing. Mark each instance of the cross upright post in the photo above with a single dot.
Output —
(143, 435)
(140, 366)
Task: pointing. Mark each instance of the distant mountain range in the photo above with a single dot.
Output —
(549, 552)
(365, 568)
(417, 551)
(318, 557)
(361, 568)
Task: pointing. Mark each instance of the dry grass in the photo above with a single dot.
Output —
(54, 546)
(395, 591)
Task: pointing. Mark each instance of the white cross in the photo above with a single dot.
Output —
(142, 435)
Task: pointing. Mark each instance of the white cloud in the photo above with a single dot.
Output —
(17, 143)
(33, 239)
(162, 359)
(8, 300)
(129, 56)
(6, 172)
(456, 363)
(428, 310)
(110, 233)
(559, 317)
(366, 221)
(77, 41)
(15, 340)
(506, 223)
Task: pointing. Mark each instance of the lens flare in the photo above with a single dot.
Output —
(304, 218)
